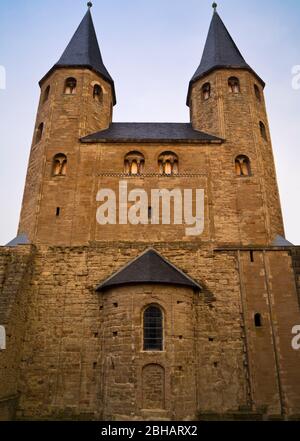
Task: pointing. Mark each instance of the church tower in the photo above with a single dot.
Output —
(226, 99)
(140, 320)
(77, 98)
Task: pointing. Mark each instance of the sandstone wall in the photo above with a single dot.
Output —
(236, 118)
(81, 354)
(66, 118)
(15, 277)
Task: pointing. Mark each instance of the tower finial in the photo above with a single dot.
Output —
(215, 5)
(89, 5)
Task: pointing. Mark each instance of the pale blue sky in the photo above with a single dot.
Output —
(151, 49)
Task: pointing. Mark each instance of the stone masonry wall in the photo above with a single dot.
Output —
(66, 119)
(74, 365)
(236, 118)
(15, 274)
(238, 211)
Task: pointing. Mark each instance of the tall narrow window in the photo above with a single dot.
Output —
(59, 167)
(39, 133)
(234, 85)
(257, 320)
(206, 91)
(263, 131)
(257, 92)
(46, 94)
(97, 93)
(153, 329)
(134, 163)
(2, 338)
(168, 164)
(242, 166)
(70, 86)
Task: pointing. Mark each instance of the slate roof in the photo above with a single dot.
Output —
(150, 132)
(21, 239)
(149, 267)
(220, 52)
(83, 51)
(281, 242)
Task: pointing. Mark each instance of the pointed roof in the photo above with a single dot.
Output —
(280, 241)
(220, 52)
(83, 51)
(21, 239)
(149, 267)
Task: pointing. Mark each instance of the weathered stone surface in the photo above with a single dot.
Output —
(73, 353)
(80, 354)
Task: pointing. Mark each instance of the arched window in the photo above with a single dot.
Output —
(234, 85)
(97, 93)
(257, 92)
(206, 91)
(59, 167)
(134, 163)
(242, 166)
(263, 131)
(70, 86)
(2, 338)
(39, 133)
(46, 94)
(168, 164)
(257, 320)
(153, 329)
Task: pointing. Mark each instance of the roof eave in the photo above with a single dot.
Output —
(140, 141)
(105, 286)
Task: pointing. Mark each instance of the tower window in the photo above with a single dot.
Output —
(59, 165)
(39, 133)
(97, 93)
(46, 94)
(134, 163)
(263, 131)
(57, 211)
(257, 92)
(234, 85)
(70, 86)
(206, 91)
(153, 329)
(258, 320)
(168, 164)
(242, 166)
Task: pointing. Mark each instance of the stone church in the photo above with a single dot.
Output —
(143, 321)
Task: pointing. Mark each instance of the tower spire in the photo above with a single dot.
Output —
(220, 51)
(83, 51)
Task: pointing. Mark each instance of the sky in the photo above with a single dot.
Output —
(151, 49)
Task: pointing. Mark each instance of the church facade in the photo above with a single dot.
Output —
(117, 320)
